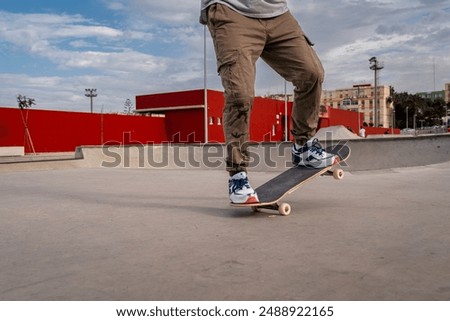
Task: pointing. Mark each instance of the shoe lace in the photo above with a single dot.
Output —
(316, 147)
(238, 184)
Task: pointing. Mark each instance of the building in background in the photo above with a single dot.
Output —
(433, 95)
(360, 98)
(195, 116)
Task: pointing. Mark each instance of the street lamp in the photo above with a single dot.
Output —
(407, 118)
(446, 116)
(414, 120)
(91, 93)
(286, 134)
(205, 88)
(393, 120)
(375, 65)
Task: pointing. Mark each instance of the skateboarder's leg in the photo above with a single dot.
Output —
(238, 42)
(290, 53)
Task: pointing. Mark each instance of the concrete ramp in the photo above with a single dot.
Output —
(398, 151)
(335, 132)
(8, 151)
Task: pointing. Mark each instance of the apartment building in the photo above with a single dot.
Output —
(361, 98)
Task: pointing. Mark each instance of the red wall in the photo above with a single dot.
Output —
(56, 131)
(380, 131)
(185, 126)
(215, 110)
(346, 118)
(263, 117)
(268, 114)
(349, 119)
(180, 98)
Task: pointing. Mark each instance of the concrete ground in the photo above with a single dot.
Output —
(142, 234)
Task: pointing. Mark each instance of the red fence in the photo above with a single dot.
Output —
(57, 131)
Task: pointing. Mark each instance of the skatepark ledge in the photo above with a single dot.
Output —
(366, 154)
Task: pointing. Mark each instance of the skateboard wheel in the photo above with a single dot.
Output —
(338, 174)
(284, 209)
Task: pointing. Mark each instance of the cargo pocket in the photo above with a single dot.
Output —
(227, 59)
(308, 41)
(315, 59)
(229, 71)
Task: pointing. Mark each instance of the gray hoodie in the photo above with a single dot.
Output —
(259, 9)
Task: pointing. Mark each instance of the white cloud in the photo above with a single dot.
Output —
(153, 12)
(82, 31)
(45, 35)
(80, 44)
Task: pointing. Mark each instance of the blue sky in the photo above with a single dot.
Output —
(53, 50)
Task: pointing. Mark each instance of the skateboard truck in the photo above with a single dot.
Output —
(283, 208)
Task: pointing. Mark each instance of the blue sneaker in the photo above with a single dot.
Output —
(313, 155)
(240, 190)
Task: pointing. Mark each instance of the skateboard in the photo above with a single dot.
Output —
(271, 192)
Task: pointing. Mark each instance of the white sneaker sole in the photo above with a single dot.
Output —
(244, 199)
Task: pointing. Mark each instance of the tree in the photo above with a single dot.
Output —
(128, 106)
(434, 112)
(25, 102)
(428, 112)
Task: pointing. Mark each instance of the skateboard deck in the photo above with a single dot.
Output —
(271, 192)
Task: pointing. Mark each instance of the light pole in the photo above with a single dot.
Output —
(359, 118)
(205, 88)
(375, 65)
(91, 93)
(407, 118)
(393, 120)
(446, 116)
(286, 134)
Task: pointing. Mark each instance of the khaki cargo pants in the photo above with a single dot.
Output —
(239, 42)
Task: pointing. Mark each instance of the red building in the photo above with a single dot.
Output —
(196, 116)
